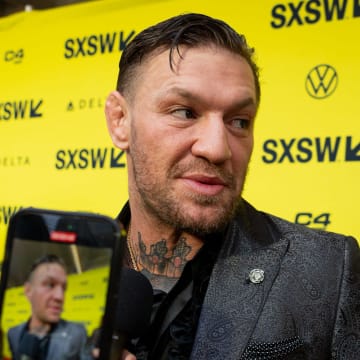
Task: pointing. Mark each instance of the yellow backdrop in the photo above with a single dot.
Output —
(58, 66)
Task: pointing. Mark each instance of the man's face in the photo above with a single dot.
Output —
(191, 137)
(45, 291)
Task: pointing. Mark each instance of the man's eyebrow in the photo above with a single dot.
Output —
(244, 103)
(51, 277)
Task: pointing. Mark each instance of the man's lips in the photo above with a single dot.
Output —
(55, 309)
(204, 184)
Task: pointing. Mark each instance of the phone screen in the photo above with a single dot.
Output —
(87, 245)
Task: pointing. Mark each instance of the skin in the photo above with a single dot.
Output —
(188, 135)
(45, 291)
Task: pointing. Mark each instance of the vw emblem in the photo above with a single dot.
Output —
(321, 81)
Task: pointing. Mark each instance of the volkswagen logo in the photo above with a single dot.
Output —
(321, 81)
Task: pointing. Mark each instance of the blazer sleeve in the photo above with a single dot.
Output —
(78, 340)
(10, 337)
(346, 334)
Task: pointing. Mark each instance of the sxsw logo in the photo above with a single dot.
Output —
(21, 109)
(93, 44)
(306, 149)
(321, 81)
(6, 212)
(89, 158)
(310, 12)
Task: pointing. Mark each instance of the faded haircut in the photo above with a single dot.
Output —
(190, 30)
(46, 259)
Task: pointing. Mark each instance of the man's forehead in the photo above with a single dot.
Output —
(48, 268)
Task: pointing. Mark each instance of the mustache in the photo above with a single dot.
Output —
(204, 167)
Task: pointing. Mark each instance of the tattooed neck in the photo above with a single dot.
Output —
(39, 330)
(163, 264)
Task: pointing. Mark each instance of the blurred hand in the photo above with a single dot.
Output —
(127, 356)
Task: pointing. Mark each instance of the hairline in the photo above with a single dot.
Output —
(47, 260)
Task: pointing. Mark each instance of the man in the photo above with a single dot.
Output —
(230, 282)
(46, 335)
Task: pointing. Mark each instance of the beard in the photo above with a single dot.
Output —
(158, 196)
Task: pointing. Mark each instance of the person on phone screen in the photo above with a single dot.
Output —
(230, 282)
(45, 336)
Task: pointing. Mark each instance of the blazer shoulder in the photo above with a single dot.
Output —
(297, 231)
(265, 228)
(16, 330)
(71, 326)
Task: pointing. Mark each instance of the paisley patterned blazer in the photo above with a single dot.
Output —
(281, 291)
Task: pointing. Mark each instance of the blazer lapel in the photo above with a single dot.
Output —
(58, 341)
(240, 283)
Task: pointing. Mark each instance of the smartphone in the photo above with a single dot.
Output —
(89, 245)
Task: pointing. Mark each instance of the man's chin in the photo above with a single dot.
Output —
(53, 319)
(206, 222)
(203, 220)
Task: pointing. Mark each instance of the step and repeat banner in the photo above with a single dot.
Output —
(58, 66)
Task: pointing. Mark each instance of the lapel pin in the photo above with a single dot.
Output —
(256, 276)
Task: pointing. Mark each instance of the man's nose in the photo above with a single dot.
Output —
(212, 140)
(59, 293)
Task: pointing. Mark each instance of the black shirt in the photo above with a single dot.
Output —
(175, 315)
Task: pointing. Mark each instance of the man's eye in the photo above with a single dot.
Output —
(241, 123)
(184, 113)
(49, 285)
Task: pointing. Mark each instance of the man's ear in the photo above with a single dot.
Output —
(27, 290)
(116, 112)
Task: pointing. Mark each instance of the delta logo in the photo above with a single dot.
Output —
(310, 12)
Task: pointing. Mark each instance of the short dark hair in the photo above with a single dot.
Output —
(45, 259)
(191, 30)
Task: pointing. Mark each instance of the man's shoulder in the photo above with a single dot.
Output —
(16, 328)
(290, 228)
(311, 239)
(297, 232)
(70, 326)
(15, 332)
